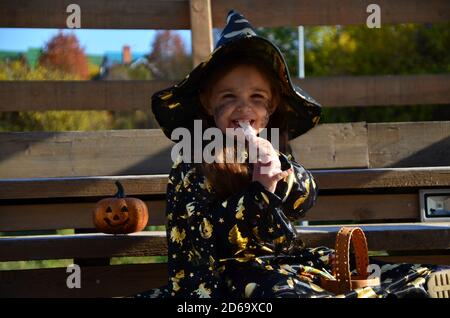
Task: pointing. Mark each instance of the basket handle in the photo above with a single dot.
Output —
(341, 267)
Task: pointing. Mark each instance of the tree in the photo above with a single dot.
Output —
(358, 50)
(64, 53)
(169, 56)
(47, 120)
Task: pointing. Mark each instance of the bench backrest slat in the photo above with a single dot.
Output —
(129, 152)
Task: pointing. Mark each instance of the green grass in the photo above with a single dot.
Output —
(138, 260)
(23, 265)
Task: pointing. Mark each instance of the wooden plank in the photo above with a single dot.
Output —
(365, 207)
(386, 237)
(82, 187)
(359, 179)
(147, 151)
(56, 216)
(357, 207)
(201, 30)
(124, 280)
(97, 14)
(98, 281)
(333, 146)
(79, 95)
(153, 14)
(333, 91)
(394, 237)
(409, 144)
(378, 178)
(81, 246)
(382, 90)
(270, 13)
(416, 259)
(95, 153)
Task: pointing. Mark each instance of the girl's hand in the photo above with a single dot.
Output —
(267, 170)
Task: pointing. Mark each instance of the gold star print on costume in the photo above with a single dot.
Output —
(206, 229)
(180, 274)
(187, 179)
(190, 208)
(302, 198)
(166, 95)
(205, 185)
(249, 289)
(174, 105)
(177, 235)
(240, 209)
(255, 232)
(193, 254)
(280, 240)
(265, 197)
(235, 237)
(202, 291)
(176, 279)
(175, 286)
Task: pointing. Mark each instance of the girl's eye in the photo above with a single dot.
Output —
(257, 96)
(228, 96)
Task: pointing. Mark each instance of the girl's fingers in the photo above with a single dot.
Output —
(282, 174)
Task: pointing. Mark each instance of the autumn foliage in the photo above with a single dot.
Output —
(169, 55)
(64, 53)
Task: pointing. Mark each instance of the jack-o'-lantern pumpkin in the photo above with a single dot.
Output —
(120, 214)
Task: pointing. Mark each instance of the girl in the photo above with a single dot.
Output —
(229, 225)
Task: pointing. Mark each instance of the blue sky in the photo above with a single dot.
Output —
(94, 41)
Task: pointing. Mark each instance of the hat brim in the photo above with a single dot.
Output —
(178, 106)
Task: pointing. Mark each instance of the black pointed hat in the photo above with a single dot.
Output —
(179, 105)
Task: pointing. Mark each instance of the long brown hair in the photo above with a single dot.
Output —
(229, 178)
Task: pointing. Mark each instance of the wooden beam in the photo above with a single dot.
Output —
(174, 14)
(97, 14)
(333, 91)
(416, 259)
(409, 144)
(333, 146)
(83, 187)
(82, 246)
(271, 13)
(385, 237)
(365, 208)
(129, 152)
(382, 178)
(123, 280)
(381, 90)
(148, 151)
(79, 95)
(382, 237)
(201, 30)
(68, 215)
(76, 215)
(94, 153)
(98, 281)
(356, 179)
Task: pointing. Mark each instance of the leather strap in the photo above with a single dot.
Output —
(341, 268)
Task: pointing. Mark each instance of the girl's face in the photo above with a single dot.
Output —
(242, 94)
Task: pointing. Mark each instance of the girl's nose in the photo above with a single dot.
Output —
(244, 106)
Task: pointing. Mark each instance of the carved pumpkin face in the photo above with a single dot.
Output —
(120, 215)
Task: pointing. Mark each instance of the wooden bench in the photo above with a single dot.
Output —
(50, 181)
(385, 201)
